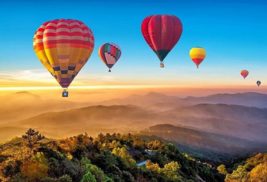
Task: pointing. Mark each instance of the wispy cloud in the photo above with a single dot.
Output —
(43, 77)
(26, 75)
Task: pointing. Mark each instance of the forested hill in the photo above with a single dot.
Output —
(106, 158)
(253, 169)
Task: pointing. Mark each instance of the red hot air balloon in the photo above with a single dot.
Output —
(161, 32)
(244, 73)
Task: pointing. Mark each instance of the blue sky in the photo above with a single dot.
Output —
(232, 32)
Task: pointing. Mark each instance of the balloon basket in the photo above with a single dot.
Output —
(65, 93)
(161, 65)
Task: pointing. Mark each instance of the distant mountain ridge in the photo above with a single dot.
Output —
(196, 138)
(143, 100)
(58, 119)
(250, 99)
(246, 122)
(156, 100)
(22, 105)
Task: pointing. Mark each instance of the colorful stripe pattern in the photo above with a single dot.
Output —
(161, 33)
(197, 55)
(63, 47)
(109, 53)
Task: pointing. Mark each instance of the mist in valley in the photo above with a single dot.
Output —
(225, 123)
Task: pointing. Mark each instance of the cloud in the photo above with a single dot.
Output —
(42, 76)
(26, 75)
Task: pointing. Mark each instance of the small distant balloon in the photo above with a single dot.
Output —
(244, 73)
(197, 55)
(258, 83)
(109, 53)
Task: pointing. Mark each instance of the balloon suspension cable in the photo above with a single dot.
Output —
(109, 70)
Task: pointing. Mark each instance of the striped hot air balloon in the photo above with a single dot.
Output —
(63, 47)
(161, 32)
(109, 53)
(197, 55)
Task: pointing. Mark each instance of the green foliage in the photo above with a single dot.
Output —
(65, 178)
(31, 139)
(107, 158)
(122, 152)
(88, 177)
(98, 173)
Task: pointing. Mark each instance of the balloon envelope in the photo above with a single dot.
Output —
(109, 53)
(244, 73)
(197, 54)
(63, 47)
(258, 83)
(161, 33)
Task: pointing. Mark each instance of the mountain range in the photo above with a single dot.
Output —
(22, 105)
(221, 122)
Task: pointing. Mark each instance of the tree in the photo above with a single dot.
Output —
(240, 174)
(221, 169)
(98, 173)
(122, 152)
(153, 167)
(36, 168)
(171, 170)
(65, 178)
(31, 139)
(88, 177)
(259, 173)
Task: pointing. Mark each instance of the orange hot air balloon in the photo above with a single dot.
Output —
(244, 73)
(197, 55)
(63, 47)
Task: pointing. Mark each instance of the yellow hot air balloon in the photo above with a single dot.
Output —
(197, 55)
(63, 47)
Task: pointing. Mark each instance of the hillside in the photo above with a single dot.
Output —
(22, 105)
(251, 169)
(237, 121)
(95, 119)
(106, 158)
(247, 123)
(205, 141)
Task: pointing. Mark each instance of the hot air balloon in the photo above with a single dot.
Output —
(244, 73)
(161, 32)
(197, 55)
(258, 83)
(63, 47)
(109, 53)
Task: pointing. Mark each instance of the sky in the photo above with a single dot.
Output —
(233, 34)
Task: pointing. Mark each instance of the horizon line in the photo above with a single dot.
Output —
(131, 87)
